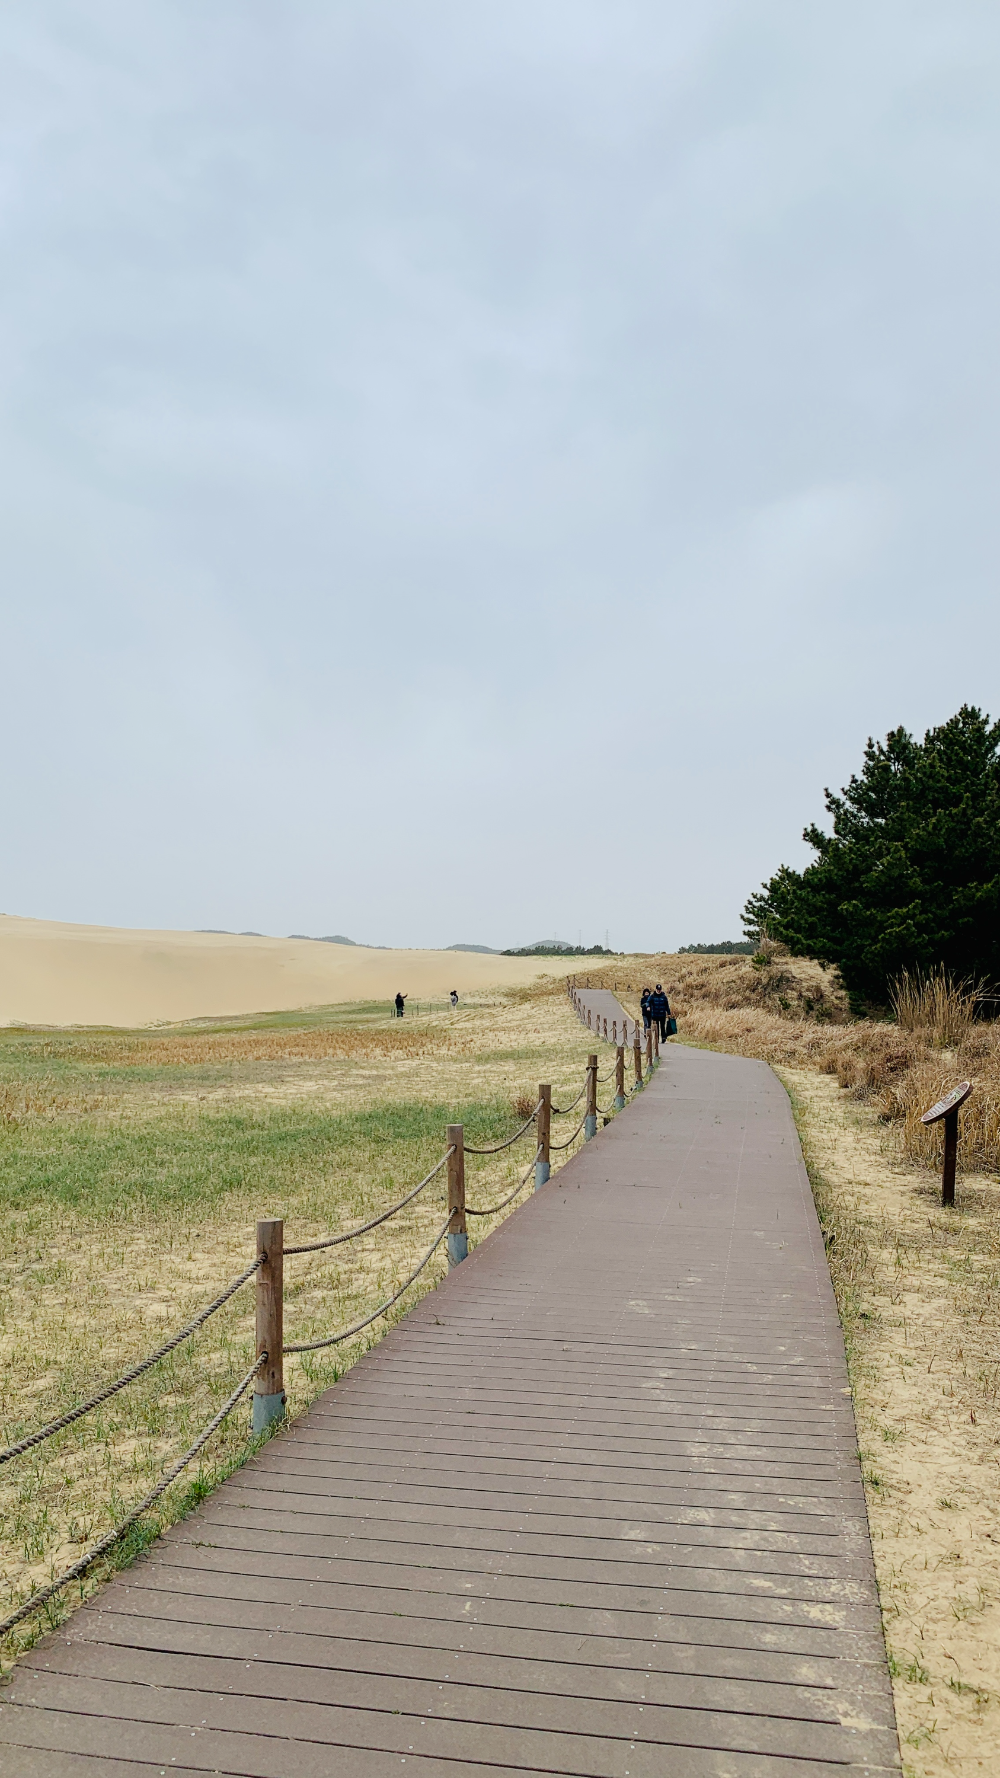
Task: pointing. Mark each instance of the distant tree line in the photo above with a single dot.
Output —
(909, 878)
(730, 947)
(557, 950)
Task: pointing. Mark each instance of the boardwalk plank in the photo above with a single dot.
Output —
(593, 1508)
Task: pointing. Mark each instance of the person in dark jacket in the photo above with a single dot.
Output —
(401, 1000)
(659, 1009)
(644, 1009)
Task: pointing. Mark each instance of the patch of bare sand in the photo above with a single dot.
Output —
(919, 1292)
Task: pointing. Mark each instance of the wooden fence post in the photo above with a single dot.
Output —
(590, 1126)
(637, 1056)
(269, 1384)
(656, 1046)
(950, 1158)
(458, 1238)
(649, 1049)
(544, 1133)
(947, 1108)
(620, 1078)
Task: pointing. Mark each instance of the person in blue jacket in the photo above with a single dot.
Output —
(659, 1009)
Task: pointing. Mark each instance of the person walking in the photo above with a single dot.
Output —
(659, 1008)
(454, 996)
(401, 1000)
(644, 1008)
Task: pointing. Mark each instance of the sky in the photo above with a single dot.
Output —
(471, 473)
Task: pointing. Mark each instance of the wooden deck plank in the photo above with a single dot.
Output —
(593, 1508)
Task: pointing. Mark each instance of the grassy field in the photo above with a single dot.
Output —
(133, 1166)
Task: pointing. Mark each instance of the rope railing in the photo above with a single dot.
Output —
(564, 1110)
(266, 1373)
(359, 1326)
(499, 1146)
(570, 1139)
(79, 1568)
(470, 1209)
(352, 1234)
(130, 1376)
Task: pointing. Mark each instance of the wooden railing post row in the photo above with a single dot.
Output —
(620, 1078)
(269, 1383)
(590, 1125)
(544, 1132)
(458, 1238)
(637, 1055)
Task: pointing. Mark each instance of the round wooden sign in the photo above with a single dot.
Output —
(950, 1102)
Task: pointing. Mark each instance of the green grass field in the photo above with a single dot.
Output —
(133, 1167)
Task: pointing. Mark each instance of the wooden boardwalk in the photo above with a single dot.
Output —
(593, 1508)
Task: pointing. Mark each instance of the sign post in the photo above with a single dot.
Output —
(947, 1108)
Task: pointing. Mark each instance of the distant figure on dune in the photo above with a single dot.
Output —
(401, 1000)
(644, 1008)
(659, 1008)
(454, 996)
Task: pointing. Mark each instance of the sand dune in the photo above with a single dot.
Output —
(56, 974)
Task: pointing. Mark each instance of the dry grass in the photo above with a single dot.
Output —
(132, 1169)
(919, 1289)
(187, 1049)
(936, 1005)
(919, 1294)
(790, 1011)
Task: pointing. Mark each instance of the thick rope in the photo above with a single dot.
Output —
(515, 1138)
(335, 1339)
(519, 1187)
(138, 1370)
(563, 1110)
(338, 1240)
(569, 1139)
(106, 1543)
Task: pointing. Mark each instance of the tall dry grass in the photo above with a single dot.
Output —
(936, 1004)
(792, 1011)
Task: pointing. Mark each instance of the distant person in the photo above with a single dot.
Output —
(454, 996)
(401, 1000)
(659, 1008)
(644, 1008)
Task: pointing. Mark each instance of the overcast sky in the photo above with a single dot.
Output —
(471, 472)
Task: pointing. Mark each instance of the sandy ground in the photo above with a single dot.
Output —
(57, 974)
(925, 1366)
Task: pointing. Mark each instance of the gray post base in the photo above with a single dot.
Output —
(589, 1128)
(541, 1173)
(458, 1249)
(619, 1101)
(267, 1409)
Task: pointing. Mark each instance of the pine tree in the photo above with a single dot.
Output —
(910, 876)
